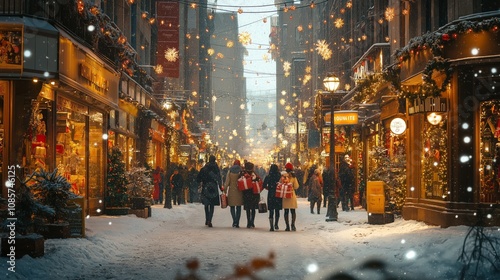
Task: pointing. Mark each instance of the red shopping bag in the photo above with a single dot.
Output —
(284, 190)
(257, 186)
(245, 182)
(223, 200)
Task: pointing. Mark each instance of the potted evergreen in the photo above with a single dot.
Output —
(52, 190)
(140, 189)
(116, 199)
(19, 225)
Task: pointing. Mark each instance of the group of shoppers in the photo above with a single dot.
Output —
(210, 182)
(248, 199)
(176, 186)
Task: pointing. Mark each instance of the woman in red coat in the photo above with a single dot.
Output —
(157, 181)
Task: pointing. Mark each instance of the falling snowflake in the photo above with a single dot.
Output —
(348, 4)
(158, 69)
(287, 74)
(323, 50)
(229, 44)
(308, 69)
(210, 51)
(171, 54)
(339, 23)
(287, 66)
(389, 14)
(265, 57)
(244, 38)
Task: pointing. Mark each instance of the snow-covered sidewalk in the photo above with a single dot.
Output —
(127, 247)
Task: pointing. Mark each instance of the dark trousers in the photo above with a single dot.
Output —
(235, 214)
(209, 212)
(168, 198)
(177, 196)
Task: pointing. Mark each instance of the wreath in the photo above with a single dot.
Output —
(429, 86)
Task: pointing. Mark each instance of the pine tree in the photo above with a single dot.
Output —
(392, 171)
(140, 182)
(116, 194)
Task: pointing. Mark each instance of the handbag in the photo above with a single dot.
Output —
(262, 207)
(223, 200)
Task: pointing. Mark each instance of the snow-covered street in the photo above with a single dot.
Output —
(127, 247)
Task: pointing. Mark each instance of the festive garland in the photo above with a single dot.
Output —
(368, 87)
(433, 42)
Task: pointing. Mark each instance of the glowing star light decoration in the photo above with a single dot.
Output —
(339, 23)
(244, 38)
(287, 66)
(229, 44)
(171, 55)
(158, 69)
(323, 50)
(389, 14)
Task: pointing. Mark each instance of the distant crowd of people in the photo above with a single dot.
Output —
(185, 184)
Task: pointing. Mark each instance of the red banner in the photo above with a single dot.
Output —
(168, 36)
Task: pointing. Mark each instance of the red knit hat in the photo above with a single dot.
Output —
(289, 166)
(237, 162)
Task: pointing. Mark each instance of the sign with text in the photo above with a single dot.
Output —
(430, 104)
(342, 118)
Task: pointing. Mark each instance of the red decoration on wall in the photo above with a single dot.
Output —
(445, 37)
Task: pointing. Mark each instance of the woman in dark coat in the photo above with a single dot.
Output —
(250, 199)
(177, 182)
(211, 180)
(274, 204)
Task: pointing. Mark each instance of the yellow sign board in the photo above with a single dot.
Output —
(343, 117)
(375, 197)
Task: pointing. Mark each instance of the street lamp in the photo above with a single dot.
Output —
(331, 83)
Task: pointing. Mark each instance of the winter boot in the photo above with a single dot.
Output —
(271, 224)
(238, 216)
(276, 219)
(249, 219)
(253, 218)
(287, 223)
(319, 207)
(233, 215)
(312, 207)
(294, 216)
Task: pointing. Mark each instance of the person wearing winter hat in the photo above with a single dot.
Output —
(290, 204)
(250, 199)
(234, 195)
